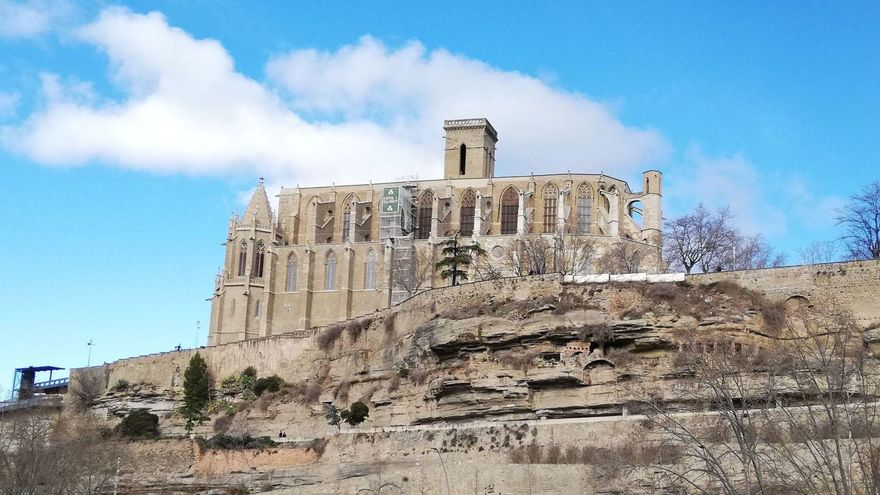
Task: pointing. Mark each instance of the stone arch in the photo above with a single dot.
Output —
(509, 211)
(634, 209)
(425, 213)
(550, 197)
(797, 302)
(466, 203)
(599, 363)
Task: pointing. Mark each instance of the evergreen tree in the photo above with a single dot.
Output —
(457, 257)
(196, 391)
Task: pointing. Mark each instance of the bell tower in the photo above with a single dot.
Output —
(470, 149)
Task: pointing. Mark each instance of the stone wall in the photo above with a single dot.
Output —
(854, 284)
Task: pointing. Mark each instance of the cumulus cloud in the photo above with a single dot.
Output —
(762, 203)
(363, 112)
(30, 18)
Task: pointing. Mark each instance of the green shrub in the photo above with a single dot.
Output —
(268, 384)
(139, 423)
(121, 385)
(230, 385)
(222, 441)
(356, 414)
(250, 371)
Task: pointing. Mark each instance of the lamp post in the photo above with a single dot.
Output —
(90, 343)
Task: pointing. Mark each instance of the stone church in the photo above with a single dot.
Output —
(335, 252)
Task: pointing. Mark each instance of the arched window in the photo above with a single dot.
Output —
(259, 257)
(550, 196)
(370, 270)
(346, 219)
(291, 273)
(466, 222)
(462, 158)
(426, 203)
(242, 258)
(509, 210)
(330, 272)
(584, 209)
(257, 308)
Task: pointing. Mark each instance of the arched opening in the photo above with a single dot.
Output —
(426, 205)
(550, 195)
(291, 273)
(466, 218)
(584, 207)
(330, 272)
(370, 270)
(346, 219)
(509, 210)
(462, 159)
(259, 258)
(242, 258)
(635, 212)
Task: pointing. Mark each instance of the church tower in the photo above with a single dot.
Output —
(242, 302)
(470, 149)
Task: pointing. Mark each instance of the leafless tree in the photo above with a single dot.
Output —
(46, 453)
(749, 253)
(860, 219)
(420, 269)
(620, 257)
(85, 387)
(797, 414)
(700, 238)
(560, 253)
(818, 252)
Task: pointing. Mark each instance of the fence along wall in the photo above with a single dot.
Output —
(853, 284)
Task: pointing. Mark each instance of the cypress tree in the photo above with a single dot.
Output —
(196, 391)
(457, 258)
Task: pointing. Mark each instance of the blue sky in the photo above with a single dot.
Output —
(130, 131)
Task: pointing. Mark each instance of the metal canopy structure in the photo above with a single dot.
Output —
(25, 385)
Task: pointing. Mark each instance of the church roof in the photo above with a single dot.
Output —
(258, 208)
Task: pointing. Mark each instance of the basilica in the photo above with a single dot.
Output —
(331, 253)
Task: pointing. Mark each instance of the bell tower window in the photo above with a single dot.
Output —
(462, 159)
(242, 258)
(259, 258)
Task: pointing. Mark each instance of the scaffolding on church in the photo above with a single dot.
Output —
(396, 225)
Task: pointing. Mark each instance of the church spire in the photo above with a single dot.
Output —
(258, 211)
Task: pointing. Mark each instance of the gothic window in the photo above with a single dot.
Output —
(466, 222)
(242, 258)
(550, 196)
(257, 308)
(509, 210)
(462, 158)
(370, 270)
(330, 272)
(584, 209)
(259, 258)
(346, 219)
(291, 273)
(426, 203)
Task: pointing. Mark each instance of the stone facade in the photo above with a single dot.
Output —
(335, 252)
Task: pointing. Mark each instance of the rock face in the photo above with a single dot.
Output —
(472, 373)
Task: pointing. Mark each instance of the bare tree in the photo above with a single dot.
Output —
(751, 252)
(46, 453)
(700, 238)
(860, 219)
(560, 253)
(797, 414)
(818, 252)
(420, 275)
(620, 257)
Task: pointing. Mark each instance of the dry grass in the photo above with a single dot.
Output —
(341, 391)
(355, 328)
(329, 336)
(222, 424)
(394, 382)
(417, 376)
(389, 324)
(523, 360)
(599, 334)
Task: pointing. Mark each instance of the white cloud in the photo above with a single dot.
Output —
(30, 18)
(364, 112)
